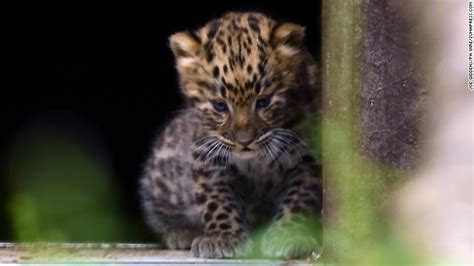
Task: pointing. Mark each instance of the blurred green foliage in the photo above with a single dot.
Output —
(360, 225)
(61, 190)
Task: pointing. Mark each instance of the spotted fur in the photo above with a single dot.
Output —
(233, 159)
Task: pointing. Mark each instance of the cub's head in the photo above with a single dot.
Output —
(251, 78)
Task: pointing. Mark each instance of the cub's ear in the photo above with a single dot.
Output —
(288, 34)
(185, 44)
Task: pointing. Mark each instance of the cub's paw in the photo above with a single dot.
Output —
(220, 246)
(179, 238)
(289, 241)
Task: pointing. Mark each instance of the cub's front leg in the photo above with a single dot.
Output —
(296, 228)
(225, 231)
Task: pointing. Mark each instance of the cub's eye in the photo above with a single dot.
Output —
(263, 102)
(220, 106)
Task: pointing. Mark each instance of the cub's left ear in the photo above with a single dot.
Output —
(288, 34)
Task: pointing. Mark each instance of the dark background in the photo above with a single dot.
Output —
(111, 69)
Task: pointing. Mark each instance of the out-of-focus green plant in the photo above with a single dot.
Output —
(307, 225)
(358, 225)
(61, 190)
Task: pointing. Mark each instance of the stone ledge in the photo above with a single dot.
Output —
(108, 253)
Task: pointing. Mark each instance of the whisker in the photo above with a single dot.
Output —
(283, 147)
(202, 150)
(227, 155)
(291, 146)
(273, 154)
(211, 149)
(265, 147)
(290, 135)
(218, 154)
(284, 140)
(202, 141)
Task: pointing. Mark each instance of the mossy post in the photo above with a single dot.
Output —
(341, 84)
(371, 110)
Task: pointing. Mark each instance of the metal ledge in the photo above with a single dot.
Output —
(108, 254)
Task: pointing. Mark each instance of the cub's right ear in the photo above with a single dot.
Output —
(184, 44)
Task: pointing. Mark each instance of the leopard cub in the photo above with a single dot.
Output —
(233, 159)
